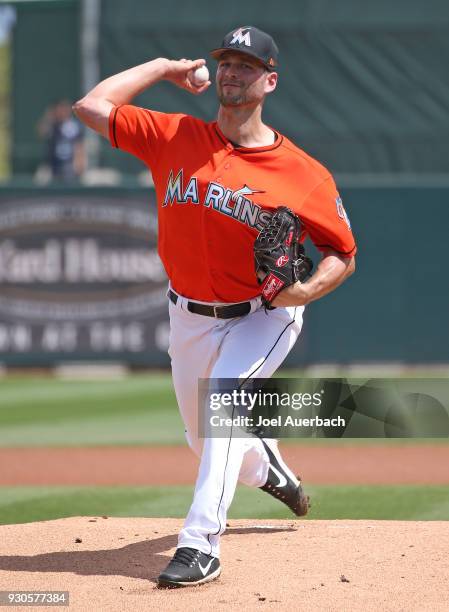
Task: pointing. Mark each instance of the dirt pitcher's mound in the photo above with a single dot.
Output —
(112, 564)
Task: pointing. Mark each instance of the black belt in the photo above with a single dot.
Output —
(219, 312)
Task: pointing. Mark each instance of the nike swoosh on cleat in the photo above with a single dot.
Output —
(282, 478)
(204, 570)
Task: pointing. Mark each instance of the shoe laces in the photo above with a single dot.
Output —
(185, 556)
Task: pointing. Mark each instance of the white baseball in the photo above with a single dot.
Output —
(199, 76)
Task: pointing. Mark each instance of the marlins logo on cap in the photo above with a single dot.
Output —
(251, 41)
(242, 36)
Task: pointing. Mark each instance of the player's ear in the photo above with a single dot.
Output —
(271, 81)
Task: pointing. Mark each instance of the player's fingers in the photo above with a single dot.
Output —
(199, 90)
(190, 65)
(193, 63)
(198, 63)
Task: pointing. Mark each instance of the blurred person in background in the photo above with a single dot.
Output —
(63, 133)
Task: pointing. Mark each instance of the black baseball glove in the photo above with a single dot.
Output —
(280, 259)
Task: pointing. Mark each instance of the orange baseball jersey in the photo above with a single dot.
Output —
(214, 197)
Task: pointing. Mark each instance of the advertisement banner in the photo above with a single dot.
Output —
(80, 279)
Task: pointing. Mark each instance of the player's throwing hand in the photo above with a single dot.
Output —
(177, 72)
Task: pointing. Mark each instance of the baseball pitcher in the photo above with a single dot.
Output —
(235, 200)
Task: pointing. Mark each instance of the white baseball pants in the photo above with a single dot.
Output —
(252, 346)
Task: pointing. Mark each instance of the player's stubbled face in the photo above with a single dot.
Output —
(240, 81)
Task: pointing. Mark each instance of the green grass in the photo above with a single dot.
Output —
(27, 504)
(138, 410)
(46, 412)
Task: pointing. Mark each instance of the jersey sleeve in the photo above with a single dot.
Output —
(325, 220)
(141, 132)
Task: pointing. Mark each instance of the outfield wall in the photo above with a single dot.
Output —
(362, 86)
(80, 280)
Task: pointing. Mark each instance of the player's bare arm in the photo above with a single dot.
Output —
(94, 109)
(332, 271)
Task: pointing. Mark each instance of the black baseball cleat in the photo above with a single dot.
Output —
(282, 484)
(189, 567)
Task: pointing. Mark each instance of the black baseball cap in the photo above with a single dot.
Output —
(251, 41)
